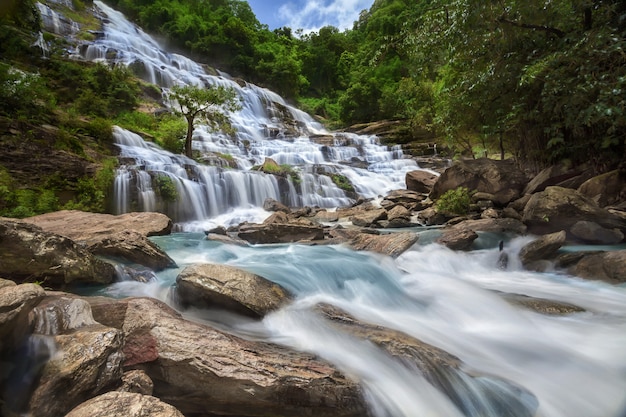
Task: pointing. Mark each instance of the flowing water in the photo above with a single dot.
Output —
(525, 363)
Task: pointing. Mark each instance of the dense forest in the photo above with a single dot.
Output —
(541, 81)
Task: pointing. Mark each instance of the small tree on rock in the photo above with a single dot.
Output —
(210, 104)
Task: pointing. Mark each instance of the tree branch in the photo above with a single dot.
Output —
(548, 29)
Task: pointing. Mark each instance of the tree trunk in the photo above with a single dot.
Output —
(188, 151)
(501, 147)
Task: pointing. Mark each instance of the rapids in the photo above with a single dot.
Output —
(572, 365)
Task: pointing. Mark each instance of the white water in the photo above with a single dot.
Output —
(265, 127)
(568, 366)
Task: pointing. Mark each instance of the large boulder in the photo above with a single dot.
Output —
(458, 239)
(606, 189)
(16, 302)
(124, 404)
(224, 286)
(603, 266)
(558, 208)
(85, 361)
(90, 228)
(29, 253)
(132, 246)
(390, 244)
(552, 175)
(368, 218)
(545, 247)
(500, 225)
(593, 233)
(203, 371)
(279, 233)
(420, 181)
(502, 179)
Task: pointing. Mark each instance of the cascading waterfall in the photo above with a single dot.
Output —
(516, 363)
(265, 127)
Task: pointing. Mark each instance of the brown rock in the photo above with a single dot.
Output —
(223, 286)
(134, 247)
(545, 247)
(16, 302)
(552, 175)
(603, 266)
(420, 181)
(272, 205)
(29, 253)
(137, 382)
(124, 404)
(492, 225)
(606, 189)
(368, 218)
(391, 244)
(279, 233)
(204, 371)
(458, 239)
(593, 233)
(501, 178)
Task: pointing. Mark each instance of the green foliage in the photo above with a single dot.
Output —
(342, 182)
(455, 201)
(20, 202)
(22, 94)
(92, 192)
(165, 187)
(171, 134)
(209, 104)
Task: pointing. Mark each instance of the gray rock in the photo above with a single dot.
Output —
(559, 208)
(603, 266)
(223, 286)
(458, 239)
(420, 181)
(492, 225)
(29, 253)
(606, 189)
(279, 233)
(545, 247)
(124, 404)
(593, 233)
(502, 179)
(552, 175)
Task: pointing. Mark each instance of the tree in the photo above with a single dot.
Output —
(211, 104)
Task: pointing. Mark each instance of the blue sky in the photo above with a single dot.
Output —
(309, 15)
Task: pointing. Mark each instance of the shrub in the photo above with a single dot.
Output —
(455, 201)
(342, 182)
(165, 187)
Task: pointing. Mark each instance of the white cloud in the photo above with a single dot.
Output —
(311, 15)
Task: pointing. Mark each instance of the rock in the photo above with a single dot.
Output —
(603, 266)
(542, 305)
(279, 233)
(16, 302)
(132, 246)
(431, 217)
(492, 225)
(228, 240)
(6, 283)
(420, 181)
(124, 404)
(559, 208)
(218, 230)
(203, 371)
(391, 244)
(606, 189)
(545, 247)
(500, 178)
(552, 175)
(510, 213)
(368, 218)
(86, 361)
(230, 288)
(272, 205)
(593, 233)
(458, 239)
(137, 382)
(398, 212)
(90, 228)
(277, 217)
(410, 200)
(324, 216)
(29, 253)
(490, 213)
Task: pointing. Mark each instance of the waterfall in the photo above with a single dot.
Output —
(265, 127)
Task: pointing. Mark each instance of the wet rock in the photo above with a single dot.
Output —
(545, 247)
(420, 181)
(230, 288)
(16, 302)
(492, 225)
(132, 246)
(501, 178)
(368, 218)
(136, 381)
(391, 244)
(272, 205)
(603, 266)
(542, 305)
(124, 404)
(593, 233)
(29, 253)
(279, 233)
(201, 370)
(559, 208)
(458, 239)
(86, 361)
